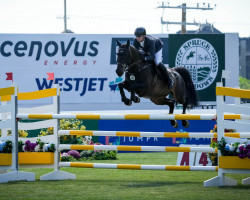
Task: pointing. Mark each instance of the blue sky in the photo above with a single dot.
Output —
(117, 16)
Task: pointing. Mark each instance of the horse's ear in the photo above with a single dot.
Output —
(119, 44)
(128, 43)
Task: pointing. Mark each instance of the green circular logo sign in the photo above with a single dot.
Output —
(200, 58)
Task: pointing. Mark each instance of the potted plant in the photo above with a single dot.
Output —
(234, 155)
(29, 153)
(5, 152)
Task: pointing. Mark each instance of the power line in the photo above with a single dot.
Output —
(184, 8)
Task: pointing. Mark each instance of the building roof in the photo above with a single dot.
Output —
(206, 28)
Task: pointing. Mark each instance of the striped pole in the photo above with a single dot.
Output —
(138, 134)
(132, 116)
(152, 134)
(238, 135)
(136, 148)
(138, 167)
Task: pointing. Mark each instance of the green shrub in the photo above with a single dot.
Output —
(99, 155)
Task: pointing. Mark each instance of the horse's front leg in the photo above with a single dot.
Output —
(134, 98)
(140, 88)
(124, 99)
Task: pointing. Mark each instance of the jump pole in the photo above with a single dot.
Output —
(151, 134)
(132, 116)
(138, 167)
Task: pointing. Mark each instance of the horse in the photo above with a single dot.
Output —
(145, 80)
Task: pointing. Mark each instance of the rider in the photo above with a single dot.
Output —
(151, 47)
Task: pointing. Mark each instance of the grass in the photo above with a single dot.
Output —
(125, 184)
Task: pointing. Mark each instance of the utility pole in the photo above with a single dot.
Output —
(184, 11)
(65, 19)
(183, 18)
(65, 16)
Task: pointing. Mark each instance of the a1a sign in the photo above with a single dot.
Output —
(186, 159)
(202, 159)
(193, 159)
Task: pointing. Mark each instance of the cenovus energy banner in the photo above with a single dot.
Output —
(80, 64)
(84, 65)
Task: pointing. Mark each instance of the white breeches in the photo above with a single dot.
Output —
(158, 57)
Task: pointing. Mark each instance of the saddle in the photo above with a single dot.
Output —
(171, 72)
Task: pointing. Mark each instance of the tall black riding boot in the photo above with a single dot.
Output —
(169, 77)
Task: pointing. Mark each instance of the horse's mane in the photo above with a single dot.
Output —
(135, 51)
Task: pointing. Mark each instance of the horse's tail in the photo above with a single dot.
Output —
(190, 89)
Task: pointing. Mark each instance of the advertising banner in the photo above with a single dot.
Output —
(204, 56)
(153, 126)
(80, 64)
(84, 65)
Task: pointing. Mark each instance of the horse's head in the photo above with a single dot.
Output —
(123, 57)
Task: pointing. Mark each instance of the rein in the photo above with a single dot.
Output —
(132, 75)
(127, 67)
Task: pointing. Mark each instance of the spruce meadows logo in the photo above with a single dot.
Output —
(200, 58)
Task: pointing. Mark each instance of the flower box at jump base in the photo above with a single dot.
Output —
(234, 162)
(26, 158)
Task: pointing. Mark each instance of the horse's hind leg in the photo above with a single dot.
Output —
(185, 123)
(173, 123)
(170, 103)
(179, 95)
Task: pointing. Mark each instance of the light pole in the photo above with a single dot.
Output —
(65, 16)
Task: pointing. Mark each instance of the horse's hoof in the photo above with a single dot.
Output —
(137, 100)
(174, 123)
(128, 102)
(185, 123)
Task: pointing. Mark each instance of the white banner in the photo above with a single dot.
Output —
(83, 65)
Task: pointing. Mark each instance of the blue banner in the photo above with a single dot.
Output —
(154, 126)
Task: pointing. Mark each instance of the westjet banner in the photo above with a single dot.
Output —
(84, 65)
(80, 64)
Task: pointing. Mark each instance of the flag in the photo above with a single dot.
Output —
(51, 76)
(9, 76)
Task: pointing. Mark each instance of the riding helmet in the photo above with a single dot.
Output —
(140, 31)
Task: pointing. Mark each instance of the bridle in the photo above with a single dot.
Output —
(126, 66)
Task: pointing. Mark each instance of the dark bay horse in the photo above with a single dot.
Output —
(143, 79)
